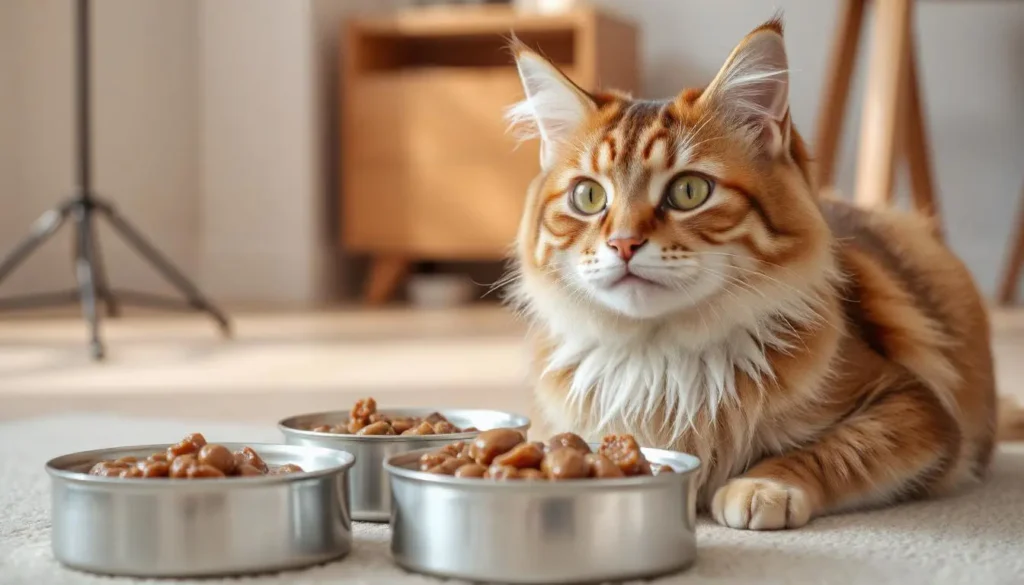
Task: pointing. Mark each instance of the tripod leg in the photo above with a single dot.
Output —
(44, 227)
(164, 266)
(100, 277)
(87, 281)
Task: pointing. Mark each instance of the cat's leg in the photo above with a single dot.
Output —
(903, 443)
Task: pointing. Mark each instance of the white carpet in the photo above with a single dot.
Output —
(976, 538)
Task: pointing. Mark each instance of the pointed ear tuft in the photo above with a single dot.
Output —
(752, 89)
(554, 107)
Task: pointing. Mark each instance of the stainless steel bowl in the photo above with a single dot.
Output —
(575, 531)
(368, 483)
(191, 528)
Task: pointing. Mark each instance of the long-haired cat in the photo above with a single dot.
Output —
(687, 284)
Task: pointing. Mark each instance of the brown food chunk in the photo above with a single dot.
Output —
(247, 455)
(521, 456)
(181, 465)
(203, 471)
(565, 463)
(285, 469)
(130, 472)
(378, 428)
(430, 460)
(447, 467)
(532, 474)
(570, 440)
(322, 429)
(435, 417)
(424, 428)
(378, 417)
(624, 452)
(127, 459)
(363, 409)
(444, 428)
(664, 469)
(471, 470)
(402, 424)
(161, 457)
(489, 444)
(196, 439)
(154, 468)
(502, 472)
(107, 469)
(217, 456)
(602, 467)
(246, 470)
(182, 447)
(454, 449)
(355, 425)
(340, 429)
(470, 430)
(110, 471)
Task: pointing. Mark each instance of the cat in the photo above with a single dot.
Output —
(686, 282)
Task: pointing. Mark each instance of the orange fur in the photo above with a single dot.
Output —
(815, 356)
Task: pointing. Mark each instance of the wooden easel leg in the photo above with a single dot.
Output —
(1015, 261)
(386, 273)
(917, 147)
(880, 126)
(837, 90)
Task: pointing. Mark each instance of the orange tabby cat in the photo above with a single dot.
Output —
(688, 285)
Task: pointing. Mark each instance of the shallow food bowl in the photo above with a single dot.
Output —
(201, 527)
(574, 531)
(368, 483)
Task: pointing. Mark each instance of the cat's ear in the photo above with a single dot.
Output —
(752, 89)
(554, 107)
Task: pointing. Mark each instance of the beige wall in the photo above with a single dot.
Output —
(37, 144)
(261, 230)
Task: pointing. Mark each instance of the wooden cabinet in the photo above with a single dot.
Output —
(429, 171)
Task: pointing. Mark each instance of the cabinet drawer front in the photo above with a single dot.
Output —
(431, 210)
(434, 114)
(374, 210)
(468, 209)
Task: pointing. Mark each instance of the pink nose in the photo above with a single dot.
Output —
(626, 247)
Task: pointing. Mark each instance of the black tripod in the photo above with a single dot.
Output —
(82, 208)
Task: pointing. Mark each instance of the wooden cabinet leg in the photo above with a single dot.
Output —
(918, 150)
(386, 273)
(882, 101)
(1014, 261)
(837, 90)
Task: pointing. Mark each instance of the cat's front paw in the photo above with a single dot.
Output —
(760, 504)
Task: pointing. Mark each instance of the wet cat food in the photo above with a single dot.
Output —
(192, 458)
(504, 454)
(364, 419)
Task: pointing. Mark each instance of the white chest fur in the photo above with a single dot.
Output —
(622, 383)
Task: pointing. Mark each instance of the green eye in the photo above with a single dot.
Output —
(588, 197)
(687, 192)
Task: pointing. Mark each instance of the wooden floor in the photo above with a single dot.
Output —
(285, 363)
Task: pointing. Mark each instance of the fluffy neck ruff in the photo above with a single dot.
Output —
(624, 370)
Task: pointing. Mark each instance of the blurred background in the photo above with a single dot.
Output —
(335, 175)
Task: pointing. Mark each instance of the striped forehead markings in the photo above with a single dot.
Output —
(638, 129)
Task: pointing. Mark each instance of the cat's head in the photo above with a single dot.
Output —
(650, 208)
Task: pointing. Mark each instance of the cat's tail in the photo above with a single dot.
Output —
(1010, 424)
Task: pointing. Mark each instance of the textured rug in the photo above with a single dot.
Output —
(976, 538)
